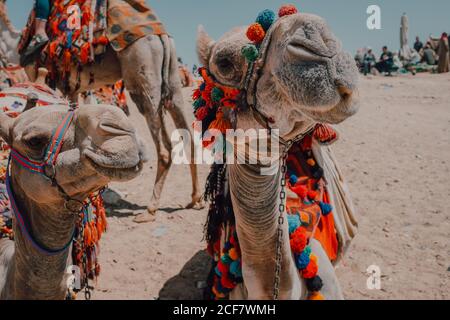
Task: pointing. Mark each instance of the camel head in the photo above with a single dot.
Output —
(100, 146)
(306, 77)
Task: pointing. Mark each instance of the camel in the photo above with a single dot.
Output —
(100, 146)
(149, 69)
(303, 78)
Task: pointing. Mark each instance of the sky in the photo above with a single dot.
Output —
(346, 17)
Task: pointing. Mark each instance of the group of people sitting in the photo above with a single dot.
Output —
(434, 52)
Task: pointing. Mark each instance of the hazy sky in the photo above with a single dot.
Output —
(346, 17)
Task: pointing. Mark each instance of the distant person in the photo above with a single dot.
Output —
(369, 62)
(359, 58)
(418, 45)
(443, 53)
(386, 61)
(428, 55)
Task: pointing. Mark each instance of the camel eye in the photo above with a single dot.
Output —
(36, 142)
(224, 65)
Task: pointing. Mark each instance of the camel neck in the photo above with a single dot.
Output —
(256, 200)
(35, 275)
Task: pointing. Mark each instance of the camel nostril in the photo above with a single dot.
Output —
(114, 128)
(345, 92)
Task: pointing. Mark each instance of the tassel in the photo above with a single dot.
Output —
(67, 58)
(220, 123)
(325, 134)
(85, 53)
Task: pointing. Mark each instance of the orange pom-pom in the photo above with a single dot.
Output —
(287, 10)
(316, 296)
(233, 254)
(298, 241)
(311, 162)
(311, 270)
(256, 33)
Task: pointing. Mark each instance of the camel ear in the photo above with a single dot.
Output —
(6, 124)
(204, 46)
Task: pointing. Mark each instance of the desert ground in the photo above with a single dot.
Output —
(395, 154)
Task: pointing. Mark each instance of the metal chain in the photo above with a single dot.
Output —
(281, 210)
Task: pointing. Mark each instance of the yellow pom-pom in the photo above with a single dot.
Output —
(313, 258)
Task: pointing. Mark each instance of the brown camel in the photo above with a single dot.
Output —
(149, 69)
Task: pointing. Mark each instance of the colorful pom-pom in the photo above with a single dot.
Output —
(216, 94)
(316, 296)
(256, 33)
(314, 284)
(311, 162)
(226, 259)
(201, 113)
(250, 52)
(312, 195)
(226, 282)
(235, 268)
(294, 222)
(301, 191)
(266, 18)
(302, 260)
(311, 270)
(298, 241)
(199, 103)
(287, 10)
(233, 254)
(326, 208)
(293, 179)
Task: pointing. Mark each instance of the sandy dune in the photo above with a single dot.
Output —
(396, 156)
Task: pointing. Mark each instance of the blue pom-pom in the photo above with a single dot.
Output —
(202, 86)
(302, 260)
(235, 268)
(294, 222)
(266, 18)
(326, 208)
(226, 259)
(293, 179)
(227, 246)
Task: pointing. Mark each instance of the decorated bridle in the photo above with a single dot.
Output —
(47, 169)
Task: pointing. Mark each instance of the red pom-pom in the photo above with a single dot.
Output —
(206, 94)
(226, 282)
(312, 195)
(223, 268)
(311, 270)
(256, 33)
(197, 94)
(287, 10)
(301, 191)
(201, 113)
(298, 241)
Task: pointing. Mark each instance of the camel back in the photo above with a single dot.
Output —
(118, 23)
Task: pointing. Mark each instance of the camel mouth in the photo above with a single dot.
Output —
(115, 170)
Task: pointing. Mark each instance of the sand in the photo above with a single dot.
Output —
(395, 154)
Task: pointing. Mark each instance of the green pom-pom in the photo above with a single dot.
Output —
(250, 52)
(226, 259)
(199, 103)
(266, 18)
(217, 95)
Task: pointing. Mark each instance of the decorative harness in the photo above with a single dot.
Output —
(47, 169)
